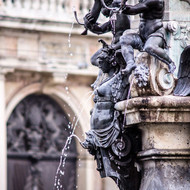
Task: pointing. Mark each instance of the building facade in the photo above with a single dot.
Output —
(45, 78)
(45, 81)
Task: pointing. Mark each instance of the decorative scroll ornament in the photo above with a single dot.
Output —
(120, 151)
(180, 32)
(151, 77)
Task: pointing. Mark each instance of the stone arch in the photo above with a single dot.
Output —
(60, 96)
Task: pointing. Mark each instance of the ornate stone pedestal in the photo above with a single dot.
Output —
(165, 124)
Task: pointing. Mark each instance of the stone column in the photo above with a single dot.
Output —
(165, 124)
(3, 136)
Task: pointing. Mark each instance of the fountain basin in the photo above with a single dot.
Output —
(164, 158)
(155, 109)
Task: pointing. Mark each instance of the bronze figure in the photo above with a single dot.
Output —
(151, 36)
(112, 146)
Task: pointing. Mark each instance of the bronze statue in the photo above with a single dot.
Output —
(151, 35)
(99, 6)
(107, 140)
(114, 146)
(91, 17)
(113, 25)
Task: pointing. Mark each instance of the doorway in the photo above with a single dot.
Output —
(37, 130)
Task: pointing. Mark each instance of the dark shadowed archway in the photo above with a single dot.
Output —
(37, 131)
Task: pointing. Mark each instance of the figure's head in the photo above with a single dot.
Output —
(106, 60)
(116, 3)
(105, 12)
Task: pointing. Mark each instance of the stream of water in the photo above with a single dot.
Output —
(63, 157)
(60, 170)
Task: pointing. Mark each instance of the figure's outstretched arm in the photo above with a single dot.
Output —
(106, 27)
(91, 17)
(95, 11)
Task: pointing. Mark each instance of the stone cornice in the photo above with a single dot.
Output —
(156, 109)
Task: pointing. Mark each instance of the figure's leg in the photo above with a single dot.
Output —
(129, 42)
(154, 46)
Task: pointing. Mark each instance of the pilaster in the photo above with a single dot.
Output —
(3, 135)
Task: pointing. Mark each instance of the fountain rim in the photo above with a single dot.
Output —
(168, 101)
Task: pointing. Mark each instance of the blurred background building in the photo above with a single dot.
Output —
(45, 93)
(45, 77)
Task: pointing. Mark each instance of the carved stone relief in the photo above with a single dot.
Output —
(37, 125)
(151, 77)
(181, 32)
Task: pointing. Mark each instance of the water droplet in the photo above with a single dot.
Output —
(60, 169)
(74, 9)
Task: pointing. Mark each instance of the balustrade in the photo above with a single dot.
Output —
(59, 10)
(44, 8)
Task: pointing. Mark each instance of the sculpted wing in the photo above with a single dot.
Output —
(183, 83)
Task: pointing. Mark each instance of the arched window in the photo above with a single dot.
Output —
(37, 131)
